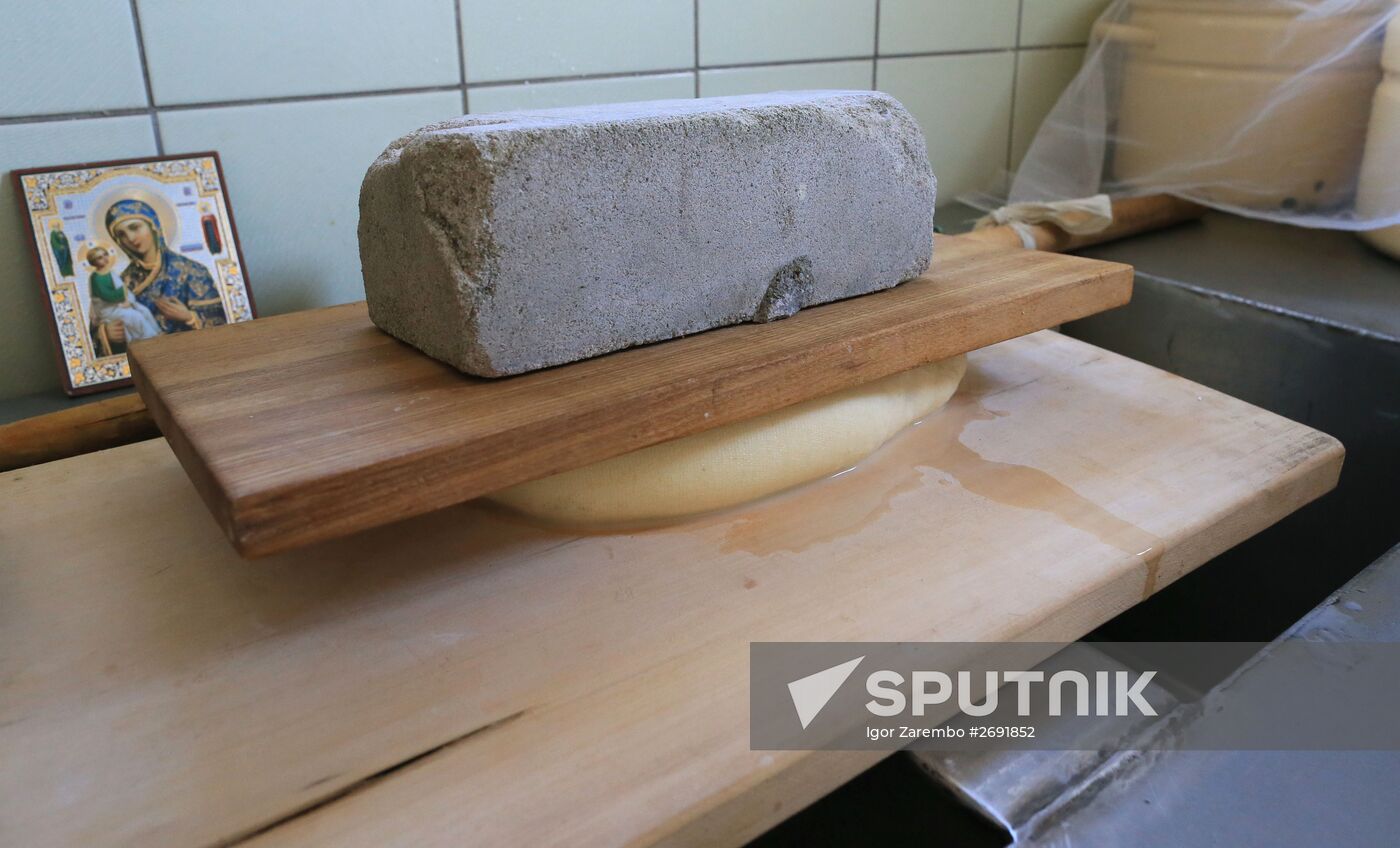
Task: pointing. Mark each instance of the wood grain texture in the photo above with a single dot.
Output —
(461, 678)
(91, 427)
(309, 426)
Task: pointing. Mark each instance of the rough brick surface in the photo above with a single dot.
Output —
(505, 243)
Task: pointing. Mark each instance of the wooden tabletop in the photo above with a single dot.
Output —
(461, 678)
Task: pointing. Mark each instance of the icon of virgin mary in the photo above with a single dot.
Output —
(179, 291)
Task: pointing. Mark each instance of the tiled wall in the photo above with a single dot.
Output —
(299, 96)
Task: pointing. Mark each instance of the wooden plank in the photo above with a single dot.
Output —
(578, 690)
(83, 429)
(309, 426)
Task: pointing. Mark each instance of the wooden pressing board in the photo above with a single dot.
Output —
(309, 426)
(462, 678)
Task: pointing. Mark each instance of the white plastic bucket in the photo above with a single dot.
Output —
(1379, 186)
(1193, 67)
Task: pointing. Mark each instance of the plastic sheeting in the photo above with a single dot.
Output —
(1257, 107)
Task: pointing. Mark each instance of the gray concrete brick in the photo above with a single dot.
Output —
(509, 242)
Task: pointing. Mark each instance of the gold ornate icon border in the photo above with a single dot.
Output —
(42, 192)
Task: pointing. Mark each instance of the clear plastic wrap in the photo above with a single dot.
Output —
(1257, 107)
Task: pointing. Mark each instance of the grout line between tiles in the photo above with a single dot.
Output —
(875, 58)
(461, 56)
(305, 98)
(1066, 46)
(694, 69)
(76, 116)
(977, 51)
(1015, 81)
(580, 77)
(695, 34)
(146, 79)
(782, 63)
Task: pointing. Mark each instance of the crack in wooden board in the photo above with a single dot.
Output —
(162, 691)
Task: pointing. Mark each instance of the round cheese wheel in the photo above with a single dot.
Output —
(742, 461)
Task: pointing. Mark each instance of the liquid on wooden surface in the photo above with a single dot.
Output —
(844, 503)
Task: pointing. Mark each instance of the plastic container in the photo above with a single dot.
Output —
(1194, 68)
(1258, 107)
(1379, 186)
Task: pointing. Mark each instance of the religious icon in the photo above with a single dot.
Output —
(209, 223)
(62, 252)
(134, 249)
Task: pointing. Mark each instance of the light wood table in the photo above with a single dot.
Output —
(462, 678)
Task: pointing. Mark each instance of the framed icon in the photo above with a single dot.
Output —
(131, 250)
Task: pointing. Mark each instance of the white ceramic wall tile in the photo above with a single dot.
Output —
(963, 103)
(533, 39)
(210, 52)
(1043, 74)
(1058, 22)
(294, 168)
(25, 347)
(293, 172)
(926, 26)
(550, 95)
(68, 57)
(741, 31)
(808, 75)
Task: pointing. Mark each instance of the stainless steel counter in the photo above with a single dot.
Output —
(1304, 323)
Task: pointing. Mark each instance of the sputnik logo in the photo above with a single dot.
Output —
(811, 693)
